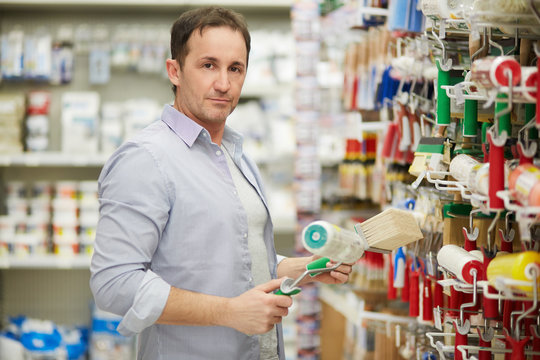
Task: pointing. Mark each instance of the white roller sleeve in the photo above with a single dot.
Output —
(325, 239)
(478, 255)
(461, 167)
(459, 262)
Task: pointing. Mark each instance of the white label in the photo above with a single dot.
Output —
(437, 315)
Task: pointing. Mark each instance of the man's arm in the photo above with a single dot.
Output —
(253, 312)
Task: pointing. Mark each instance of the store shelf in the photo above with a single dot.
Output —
(152, 3)
(372, 11)
(53, 159)
(254, 91)
(90, 160)
(45, 262)
(352, 307)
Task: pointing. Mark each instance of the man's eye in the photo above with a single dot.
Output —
(235, 69)
(208, 66)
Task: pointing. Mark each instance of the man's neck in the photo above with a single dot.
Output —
(215, 130)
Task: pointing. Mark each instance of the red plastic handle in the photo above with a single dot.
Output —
(491, 306)
(470, 244)
(392, 293)
(538, 93)
(508, 307)
(523, 159)
(456, 299)
(414, 294)
(390, 141)
(483, 354)
(427, 301)
(535, 343)
(517, 346)
(496, 174)
(460, 340)
(505, 245)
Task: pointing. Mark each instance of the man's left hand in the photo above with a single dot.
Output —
(337, 276)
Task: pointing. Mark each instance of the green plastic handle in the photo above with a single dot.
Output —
(317, 264)
(504, 121)
(314, 265)
(530, 111)
(470, 121)
(443, 101)
(294, 292)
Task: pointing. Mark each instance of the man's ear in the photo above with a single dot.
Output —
(173, 70)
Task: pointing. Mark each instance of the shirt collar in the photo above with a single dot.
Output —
(232, 142)
(188, 130)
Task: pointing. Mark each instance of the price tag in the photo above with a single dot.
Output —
(437, 316)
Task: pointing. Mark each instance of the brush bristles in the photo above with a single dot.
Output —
(391, 229)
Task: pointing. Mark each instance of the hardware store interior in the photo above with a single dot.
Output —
(420, 112)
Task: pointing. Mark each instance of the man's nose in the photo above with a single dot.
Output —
(222, 82)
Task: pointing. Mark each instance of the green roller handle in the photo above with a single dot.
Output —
(470, 120)
(314, 265)
(530, 111)
(317, 264)
(294, 292)
(505, 120)
(443, 101)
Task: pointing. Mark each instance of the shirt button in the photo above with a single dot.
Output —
(218, 152)
(235, 192)
(245, 235)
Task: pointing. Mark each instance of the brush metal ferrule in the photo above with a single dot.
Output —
(365, 244)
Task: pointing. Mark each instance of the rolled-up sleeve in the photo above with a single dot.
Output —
(135, 201)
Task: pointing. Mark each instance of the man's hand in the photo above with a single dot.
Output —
(337, 276)
(257, 310)
(294, 267)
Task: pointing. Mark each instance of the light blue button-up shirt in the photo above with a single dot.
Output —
(170, 216)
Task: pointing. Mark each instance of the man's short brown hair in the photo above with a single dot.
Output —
(199, 19)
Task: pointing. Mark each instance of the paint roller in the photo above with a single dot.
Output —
(384, 232)
(463, 264)
(518, 266)
(460, 263)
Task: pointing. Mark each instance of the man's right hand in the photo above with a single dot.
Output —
(257, 310)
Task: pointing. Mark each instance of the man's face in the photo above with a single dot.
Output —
(211, 79)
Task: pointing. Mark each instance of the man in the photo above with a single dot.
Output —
(184, 248)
